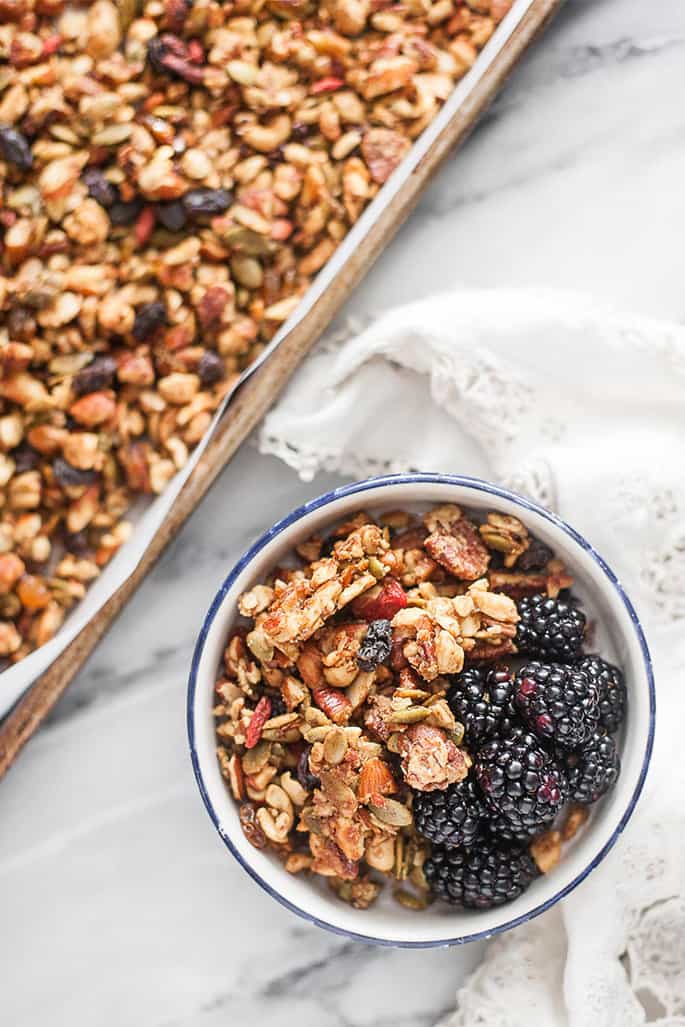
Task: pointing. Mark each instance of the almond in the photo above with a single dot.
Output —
(375, 780)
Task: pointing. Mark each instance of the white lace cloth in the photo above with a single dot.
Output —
(584, 410)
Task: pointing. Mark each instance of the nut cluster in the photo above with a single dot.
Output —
(172, 175)
(332, 707)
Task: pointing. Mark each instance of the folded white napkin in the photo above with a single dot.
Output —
(583, 410)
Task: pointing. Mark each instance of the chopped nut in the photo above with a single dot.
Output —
(546, 850)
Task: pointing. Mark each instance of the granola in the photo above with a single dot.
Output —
(369, 730)
(172, 176)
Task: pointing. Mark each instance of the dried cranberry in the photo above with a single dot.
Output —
(99, 188)
(66, 474)
(123, 213)
(210, 368)
(25, 457)
(97, 375)
(308, 780)
(14, 148)
(171, 216)
(206, 203)
(149, 319)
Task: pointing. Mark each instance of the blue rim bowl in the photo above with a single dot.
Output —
(391, 924)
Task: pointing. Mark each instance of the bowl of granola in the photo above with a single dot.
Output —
(420, 710)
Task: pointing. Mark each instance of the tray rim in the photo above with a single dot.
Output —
(261, 388)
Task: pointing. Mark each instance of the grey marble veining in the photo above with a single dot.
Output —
(119, 904)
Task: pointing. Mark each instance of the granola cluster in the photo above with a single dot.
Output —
(334, 704)
(172, 175)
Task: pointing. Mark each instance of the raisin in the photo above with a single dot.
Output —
(149, 319)
(77, 543)
(278, 707)
(210, 368)
(14, 148)
(375, 647)
(97, 375)
(308, 780)
(206, 203)
(99, 189)
(25, 457)
(156, 52)
(123, 213)
(171, 216)
(250, 825)
(169, 55)
(66, 474)
(535, 558)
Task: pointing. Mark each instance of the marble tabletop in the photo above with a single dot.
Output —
(120, 905)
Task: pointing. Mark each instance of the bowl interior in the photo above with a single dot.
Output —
(618, 637)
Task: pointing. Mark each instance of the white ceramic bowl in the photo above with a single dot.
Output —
(620, 637)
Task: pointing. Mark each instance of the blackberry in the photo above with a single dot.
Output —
(375, 646)
(611, 688)
(557, 702)
(592, 770)
(481, 700)
(549, 628)
(451, 817)
(521, 782)
(488, 875)
(500, 830)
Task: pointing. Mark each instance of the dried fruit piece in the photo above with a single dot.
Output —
(384, 605)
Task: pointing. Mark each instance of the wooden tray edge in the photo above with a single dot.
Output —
(259, 392)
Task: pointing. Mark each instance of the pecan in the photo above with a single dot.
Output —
(459, 549)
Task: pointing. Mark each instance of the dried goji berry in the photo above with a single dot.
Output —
(385, 605)
(51, 45)
(326, 85)
(262, 712)
(144, 225)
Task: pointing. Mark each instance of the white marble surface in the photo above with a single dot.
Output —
(119, 904)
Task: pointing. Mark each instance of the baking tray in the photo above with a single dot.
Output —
(264, 381)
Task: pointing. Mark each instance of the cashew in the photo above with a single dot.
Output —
(266, 138)
(277, 817)
(258, 783)
(293, 789)
(380, 853)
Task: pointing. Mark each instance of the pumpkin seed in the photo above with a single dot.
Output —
(257, 757)
(412, 715)
(392, 813)
(409, 900)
